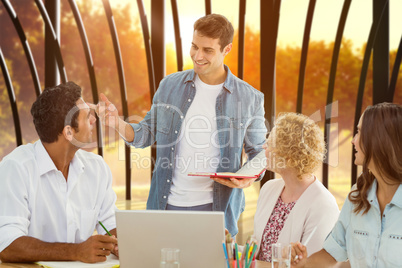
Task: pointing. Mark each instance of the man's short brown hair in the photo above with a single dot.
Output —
(217, 27)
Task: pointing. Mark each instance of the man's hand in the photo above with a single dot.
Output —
(235, 183)
(96, 248)
(106, 111)
(109, 116)
(115, 250)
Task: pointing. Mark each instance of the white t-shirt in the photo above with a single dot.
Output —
(197, 149)
(37, 201)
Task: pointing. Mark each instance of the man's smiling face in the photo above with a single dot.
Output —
(207, 56)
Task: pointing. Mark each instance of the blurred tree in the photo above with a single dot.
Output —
(135, 68)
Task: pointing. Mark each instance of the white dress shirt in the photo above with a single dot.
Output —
(37, 201)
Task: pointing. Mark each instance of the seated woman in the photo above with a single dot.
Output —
(296, 205)
(368, 232)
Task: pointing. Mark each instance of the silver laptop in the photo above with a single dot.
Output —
(143, 233)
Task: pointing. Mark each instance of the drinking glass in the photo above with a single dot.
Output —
(170, 258)
(281, 255)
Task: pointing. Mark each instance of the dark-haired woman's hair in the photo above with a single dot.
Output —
(381, 143)
(50, 109)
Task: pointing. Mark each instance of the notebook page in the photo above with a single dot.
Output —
(255, 166)
(111, 262)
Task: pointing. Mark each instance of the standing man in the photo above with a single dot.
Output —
(201, 119)
(53, 194)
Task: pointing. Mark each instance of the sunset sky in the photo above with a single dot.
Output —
(292, 19)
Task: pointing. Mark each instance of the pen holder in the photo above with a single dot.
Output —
(251, 264)
(242, 264)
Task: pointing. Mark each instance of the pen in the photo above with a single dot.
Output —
(252, 255)
(245, 251)
(229, 246)
(105, 228)
(250, 250)
(307, 240)
(226, 254)
(310, 236)
(237, 256)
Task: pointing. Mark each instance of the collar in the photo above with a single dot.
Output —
(228, 84)
(396, 200)
(76, 163)
(46, 164)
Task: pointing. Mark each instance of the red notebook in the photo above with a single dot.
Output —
(252, 169)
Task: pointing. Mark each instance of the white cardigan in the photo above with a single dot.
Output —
(315, 207)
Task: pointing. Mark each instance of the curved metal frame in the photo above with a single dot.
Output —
(269, 34)
(395, 72)
(362, 82)
(90, 66)
(151, 70)
(176, 25)
(303, 60)
(123, 92)
(241, 33)
(25, 44)
(147, 44)
(208, 7)
(13, 101)
(48, 24)
(331, 84)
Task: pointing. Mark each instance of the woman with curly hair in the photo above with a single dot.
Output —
(368, 232)
(296, 205)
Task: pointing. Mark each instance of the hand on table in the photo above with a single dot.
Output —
(96, 248)
(235, 183)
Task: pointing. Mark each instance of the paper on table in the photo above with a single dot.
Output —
(252, 169)
(111, 262)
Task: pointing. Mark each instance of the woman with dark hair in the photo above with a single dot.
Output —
(368, 232)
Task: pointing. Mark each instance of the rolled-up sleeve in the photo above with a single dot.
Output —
(14, 211)
(335, 243)
(144, 135)
(145, 130)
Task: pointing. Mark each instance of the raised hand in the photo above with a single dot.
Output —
(106, 112)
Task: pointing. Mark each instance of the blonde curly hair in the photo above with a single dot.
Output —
(299, 142)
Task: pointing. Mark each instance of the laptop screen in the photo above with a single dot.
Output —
(143, 233)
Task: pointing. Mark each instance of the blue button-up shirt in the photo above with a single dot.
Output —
(240, 122)
(369, 240)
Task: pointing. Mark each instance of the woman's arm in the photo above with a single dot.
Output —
(320, 259)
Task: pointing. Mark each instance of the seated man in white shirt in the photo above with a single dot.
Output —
(53, 194)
